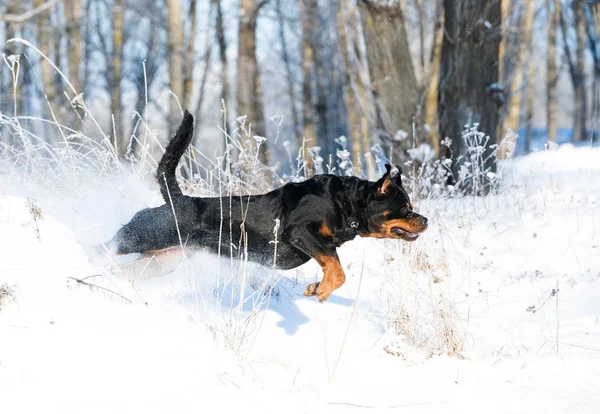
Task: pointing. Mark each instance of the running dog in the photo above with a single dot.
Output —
(315, 218)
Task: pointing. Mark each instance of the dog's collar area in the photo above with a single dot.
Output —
(352, 229)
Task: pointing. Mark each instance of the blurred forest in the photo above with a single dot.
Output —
(342, 75)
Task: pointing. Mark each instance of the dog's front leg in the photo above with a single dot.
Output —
(319, 246)
(333, 277)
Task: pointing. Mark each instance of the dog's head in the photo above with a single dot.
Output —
(389, 213)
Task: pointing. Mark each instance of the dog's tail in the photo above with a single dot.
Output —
(168, 163)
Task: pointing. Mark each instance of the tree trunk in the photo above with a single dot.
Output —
(502, 78)
(364, 91)
(470, 52)
(74, 43)
(514, 99)
(309, 130)
(248, 91)
(7, 103)
(175, 52)
(88, 47)
(349, 85)
(322, 110)
(289, 74)
(59, 61)
(190, 56)
(531, 82)
(392, 74)
(143, 84)
(45, 31)
(74, 51)
(595, 26)
(222, 41)
(208, 41)
(504, 8)
(421, 19)
(551, 74)
(580, 121)
(117, 74)
(432, 83)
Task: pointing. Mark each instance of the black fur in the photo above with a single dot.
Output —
(165, 174)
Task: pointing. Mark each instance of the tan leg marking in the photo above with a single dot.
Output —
(333, 278)
(325, 230)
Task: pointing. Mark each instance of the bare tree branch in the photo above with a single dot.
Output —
(20, 18)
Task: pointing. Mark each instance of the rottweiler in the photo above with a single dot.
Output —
(315, 216)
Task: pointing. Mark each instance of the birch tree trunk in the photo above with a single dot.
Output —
(45, 30)
(190, 56)
(175, 52)
(116, 76)
(514, 99)
(551, 74)
(433, 81)
(309, 130)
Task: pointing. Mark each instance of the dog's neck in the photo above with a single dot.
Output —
(356, 196)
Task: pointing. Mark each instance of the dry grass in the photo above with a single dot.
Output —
(6, 295)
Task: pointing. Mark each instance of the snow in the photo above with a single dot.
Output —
(495, 308)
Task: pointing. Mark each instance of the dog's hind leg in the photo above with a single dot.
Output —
(153, 264)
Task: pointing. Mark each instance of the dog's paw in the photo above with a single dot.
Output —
(323, 293)
(311, 290)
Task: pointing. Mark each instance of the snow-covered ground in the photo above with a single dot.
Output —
(494, 309)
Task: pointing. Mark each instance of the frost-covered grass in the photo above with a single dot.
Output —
(494, 308)
(6, 294)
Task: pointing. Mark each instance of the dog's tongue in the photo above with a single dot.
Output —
(399, 231)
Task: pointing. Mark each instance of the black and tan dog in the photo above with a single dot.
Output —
(316, 216)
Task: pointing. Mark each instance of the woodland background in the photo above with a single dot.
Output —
(494, 308)
(387, 75)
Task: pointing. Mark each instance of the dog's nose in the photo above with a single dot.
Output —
(424, 220)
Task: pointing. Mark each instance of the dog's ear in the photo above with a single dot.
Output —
(399, 176)
(384, 183)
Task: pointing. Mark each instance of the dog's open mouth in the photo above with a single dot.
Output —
(406, 235)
